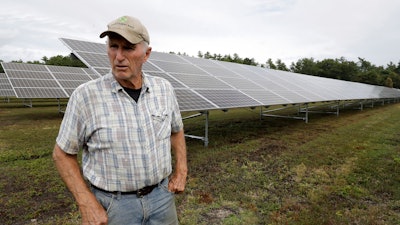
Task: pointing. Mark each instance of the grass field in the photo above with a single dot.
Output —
(333, 170)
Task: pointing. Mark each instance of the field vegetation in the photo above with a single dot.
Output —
(333, 170)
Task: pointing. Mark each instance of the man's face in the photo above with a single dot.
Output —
(126, 59)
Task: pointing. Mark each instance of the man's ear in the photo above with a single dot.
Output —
(148, 52)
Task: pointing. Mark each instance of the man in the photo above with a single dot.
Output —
(125, 122)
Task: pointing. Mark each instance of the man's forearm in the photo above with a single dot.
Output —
(68, 167)
(179, 148)
(178, 179)
(69, 170)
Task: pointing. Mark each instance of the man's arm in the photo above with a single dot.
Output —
(177, 181)
(68, 167)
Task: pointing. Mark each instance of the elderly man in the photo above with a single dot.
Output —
(125, 123)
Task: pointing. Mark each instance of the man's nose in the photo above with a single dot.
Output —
(120, 54)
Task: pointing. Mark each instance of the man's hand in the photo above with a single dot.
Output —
(92, 212)
(177, 183)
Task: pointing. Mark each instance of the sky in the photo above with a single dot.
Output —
(288, 30)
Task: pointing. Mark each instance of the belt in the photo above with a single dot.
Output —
(139, 193)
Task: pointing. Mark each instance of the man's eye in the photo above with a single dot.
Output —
(130, 47)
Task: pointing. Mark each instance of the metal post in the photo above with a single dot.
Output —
(337, 108)
(206, 131)
(59, 105)
(306, 118)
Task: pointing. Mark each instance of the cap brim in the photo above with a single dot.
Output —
(105, 33)
(122, 33)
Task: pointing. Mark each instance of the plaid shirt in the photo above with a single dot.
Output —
(126, 145)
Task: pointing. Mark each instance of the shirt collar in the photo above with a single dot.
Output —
(116, 87)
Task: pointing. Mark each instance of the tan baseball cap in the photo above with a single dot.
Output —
(128, 27)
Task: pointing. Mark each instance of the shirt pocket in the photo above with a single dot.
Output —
(161, 124)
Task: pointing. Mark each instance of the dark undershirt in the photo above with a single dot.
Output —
(134, 93)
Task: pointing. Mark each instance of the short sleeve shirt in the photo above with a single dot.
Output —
(126, 144)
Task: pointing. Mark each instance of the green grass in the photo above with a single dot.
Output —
(333, 170)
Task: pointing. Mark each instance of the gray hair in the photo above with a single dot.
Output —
(144, 44)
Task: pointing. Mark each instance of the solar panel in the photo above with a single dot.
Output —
(266, 97)
(242, 84)
(226, 99)
(173, 67)
(175, 83)
(150, 67)
(219, 71)
(5, 86)
(95, 59)
(32, 81)
(159, 56)
(85, 46)
(201, 81)
(188, 100)
(45, 81)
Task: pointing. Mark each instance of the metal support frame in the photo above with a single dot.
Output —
(335, 106)
(356, 104)
(27, 102)
(305, 117)
(370, 103)
(60, 109)
(7, 99)
(205, 138)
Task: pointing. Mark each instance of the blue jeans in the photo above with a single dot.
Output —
(156, 208)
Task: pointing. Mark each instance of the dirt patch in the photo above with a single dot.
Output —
(269, 148)
(216, 216)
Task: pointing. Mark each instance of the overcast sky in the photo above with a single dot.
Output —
(279, 29)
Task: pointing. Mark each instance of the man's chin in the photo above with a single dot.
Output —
(121, 75)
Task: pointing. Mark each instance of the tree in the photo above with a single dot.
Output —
(207, 55)
(395, 77)
(328, 68)
(364, 65)
(270, 64)
(249, 61)
(369, 77)
(281, 65)
(236, 58)
(397, 70)
(227, 58)
(348, 69)
(45, 59)
(389, 82)
(305, 66)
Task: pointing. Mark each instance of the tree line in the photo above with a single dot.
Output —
(361, 71)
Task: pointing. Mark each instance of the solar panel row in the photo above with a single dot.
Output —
(203, 84)
(200, 84)
(44, 81)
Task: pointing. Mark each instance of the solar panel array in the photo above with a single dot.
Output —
(45, 81)
(203, 84)
(6, 89)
